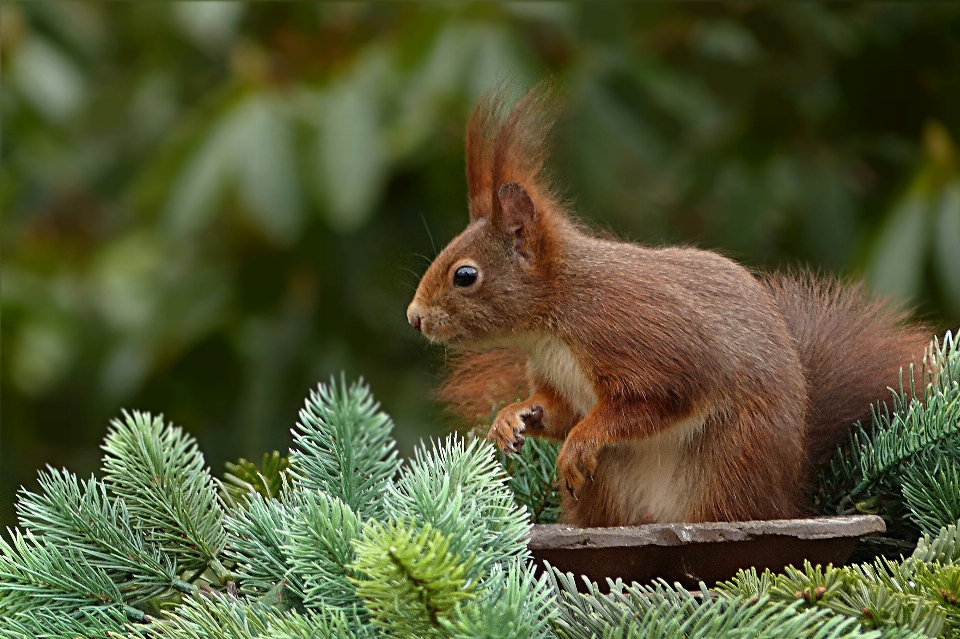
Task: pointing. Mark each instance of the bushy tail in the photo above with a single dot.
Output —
(479, 382)
(851, 347)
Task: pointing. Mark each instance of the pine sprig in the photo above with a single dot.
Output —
(36, 574)
(408, 578)
(84, 519)
(97, 623)
(469, 501)
(160, 473)
(343, 447)
(533, 479)
(439, 550)
(319, 547)
(882, 594)
(220, 617)
(511, 603)
(931, 492)
(942, 549)
(664, 611)
(258, 549)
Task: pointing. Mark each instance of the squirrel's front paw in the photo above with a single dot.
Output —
(576, 463)
(510, 423)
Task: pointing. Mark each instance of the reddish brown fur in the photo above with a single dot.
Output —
(683, 387)
(479, 382)
(852, 348)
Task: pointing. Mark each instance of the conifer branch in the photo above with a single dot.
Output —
(84, 519)
(469, 500)
(408, 578)
(511, 603)
(36, 573)
(161, 475)
(223, 618)
(257, 546)
(533, 479)
(309, 564)
(319, 547)
(343, 447)
(942, 549)
(907, 466)
(97, 623)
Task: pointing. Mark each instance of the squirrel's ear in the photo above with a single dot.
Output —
(519, 211)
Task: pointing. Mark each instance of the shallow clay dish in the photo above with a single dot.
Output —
(691, 553)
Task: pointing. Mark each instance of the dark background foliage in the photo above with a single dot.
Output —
(208, 207)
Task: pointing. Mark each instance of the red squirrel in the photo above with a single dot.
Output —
(684, 388)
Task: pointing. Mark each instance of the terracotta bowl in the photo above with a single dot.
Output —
(691, 553)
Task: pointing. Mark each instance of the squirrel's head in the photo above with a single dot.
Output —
(496, 278)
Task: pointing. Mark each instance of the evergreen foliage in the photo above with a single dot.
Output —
(408, 577)
(343, 447)
(257, 549)
(460, 489)
(159, 473)
(340, 539)
(665, 611)
(243, 477)
(79, 515)
(533, 479)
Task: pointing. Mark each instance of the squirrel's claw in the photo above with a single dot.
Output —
(507, 437)
(508, 427)
(576, 463)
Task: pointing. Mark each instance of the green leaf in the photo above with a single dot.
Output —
(351, 150)
(243, 478)
(49, 79)
(896, 263)
(266, 171)
(946, 239)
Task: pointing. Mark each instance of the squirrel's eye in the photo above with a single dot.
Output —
(464, 276)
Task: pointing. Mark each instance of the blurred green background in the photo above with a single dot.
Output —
(208, 207)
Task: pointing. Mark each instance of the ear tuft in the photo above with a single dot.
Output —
(519, 211)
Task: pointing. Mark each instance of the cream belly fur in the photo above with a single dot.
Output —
(652, 478)
(553, 361)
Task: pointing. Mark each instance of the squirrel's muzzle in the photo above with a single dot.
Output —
(413, 316)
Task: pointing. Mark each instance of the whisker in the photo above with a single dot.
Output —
(411, 272)
(429, 234)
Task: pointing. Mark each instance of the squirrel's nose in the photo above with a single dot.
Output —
(413, 316)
